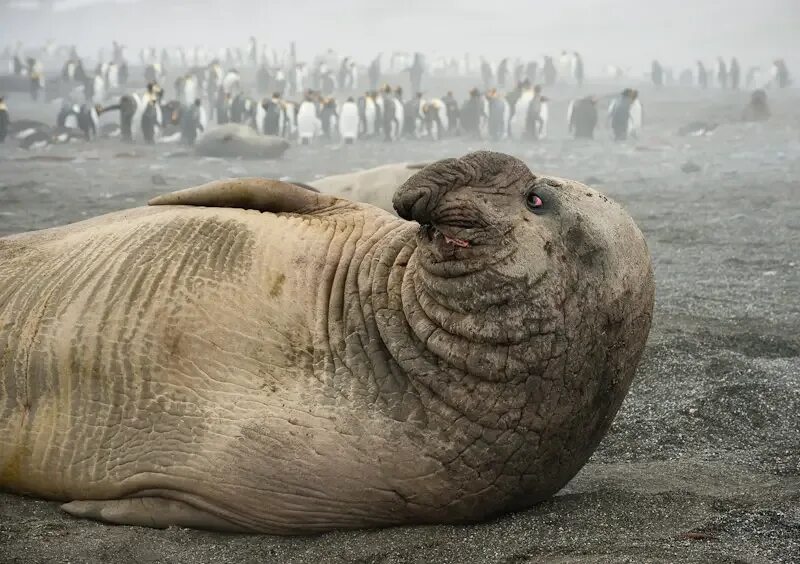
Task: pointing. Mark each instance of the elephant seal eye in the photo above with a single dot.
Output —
(533, 201)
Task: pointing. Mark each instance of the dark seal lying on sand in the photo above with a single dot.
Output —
(234, 140)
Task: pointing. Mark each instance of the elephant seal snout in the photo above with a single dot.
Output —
(464, 200)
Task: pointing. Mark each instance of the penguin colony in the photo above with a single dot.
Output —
(308, 102)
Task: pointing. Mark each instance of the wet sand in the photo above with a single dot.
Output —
(702, 463)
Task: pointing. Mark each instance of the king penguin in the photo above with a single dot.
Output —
(348, 121)
(308, 123)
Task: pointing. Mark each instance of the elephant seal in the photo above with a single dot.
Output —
(252, 356)
(234, 140)
(374, 186)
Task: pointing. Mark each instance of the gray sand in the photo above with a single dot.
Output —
(703, 461)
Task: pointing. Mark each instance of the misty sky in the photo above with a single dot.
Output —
(625, 32)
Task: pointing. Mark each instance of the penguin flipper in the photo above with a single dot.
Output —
(262, 194)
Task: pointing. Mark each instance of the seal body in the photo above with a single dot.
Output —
(234, 140)
(252, 356)
(374, 186)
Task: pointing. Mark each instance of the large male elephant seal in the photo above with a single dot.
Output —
(234, 140)
(253, 356)
(375, 186)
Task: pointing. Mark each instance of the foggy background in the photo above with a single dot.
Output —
(628, 33)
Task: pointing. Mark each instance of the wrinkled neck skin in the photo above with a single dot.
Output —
(508, 378)
(446, 361)
(455, 337)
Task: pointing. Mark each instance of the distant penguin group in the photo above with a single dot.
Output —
(512, 106)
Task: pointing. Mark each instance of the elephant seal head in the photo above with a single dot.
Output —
(537, 290)
(527, 257)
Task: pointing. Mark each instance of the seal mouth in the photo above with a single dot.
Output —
(456, 241)
(435, 233)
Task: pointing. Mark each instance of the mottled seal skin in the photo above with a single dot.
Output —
(234, 140)
(374, 186)
(252, 356)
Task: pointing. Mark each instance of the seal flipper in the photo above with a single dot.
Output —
(155, 512)
(260, 194)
